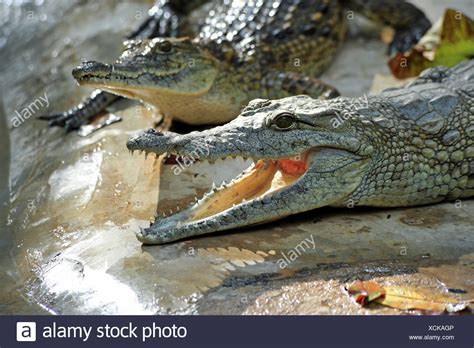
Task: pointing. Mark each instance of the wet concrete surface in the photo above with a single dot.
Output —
(73, 204)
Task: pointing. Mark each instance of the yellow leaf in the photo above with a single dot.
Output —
(401, 297)
(422, 299)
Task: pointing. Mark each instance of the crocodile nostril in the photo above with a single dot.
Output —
(154, 131)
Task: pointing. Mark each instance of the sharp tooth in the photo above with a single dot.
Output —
(196, 199)
(244, 201)
(213, 186)
(177, 208)
(164, 215)
(171, 211)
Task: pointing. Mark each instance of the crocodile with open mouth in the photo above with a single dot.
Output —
(404, 147)
(241, 50)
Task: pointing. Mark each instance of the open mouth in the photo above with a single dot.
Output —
(260, 181)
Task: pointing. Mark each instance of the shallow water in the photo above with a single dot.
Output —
(74, 203)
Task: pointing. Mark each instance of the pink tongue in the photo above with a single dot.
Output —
(291, 167)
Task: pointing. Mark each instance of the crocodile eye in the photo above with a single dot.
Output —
(165, 46)
(284, 121)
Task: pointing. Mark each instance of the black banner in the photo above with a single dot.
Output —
(236, 331)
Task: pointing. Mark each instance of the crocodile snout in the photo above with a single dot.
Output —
(91, 69)
(151, 140)
(143, 139)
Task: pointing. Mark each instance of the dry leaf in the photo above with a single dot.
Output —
(365, 292)
(401, 297)
(447, 43)
(423, 299)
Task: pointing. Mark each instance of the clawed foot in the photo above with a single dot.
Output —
(70, 123)
(68, 120)
(83, 113)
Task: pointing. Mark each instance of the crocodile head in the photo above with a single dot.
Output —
(157, 71)
(301, 162)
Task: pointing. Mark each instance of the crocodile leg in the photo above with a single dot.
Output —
(164, 20)
(291, 83)
(409, 22)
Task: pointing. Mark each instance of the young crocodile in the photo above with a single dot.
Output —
(241, 50)
(404, 147)
(166, 19)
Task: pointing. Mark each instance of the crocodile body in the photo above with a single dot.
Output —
(404, 147)
(240, 50)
